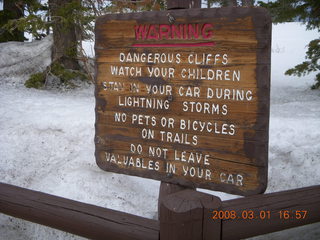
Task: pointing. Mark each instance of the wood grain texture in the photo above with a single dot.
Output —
(183, 4)
(304, 199)
(167, 189)
(216, 96)
(75, 217)
(184, 215)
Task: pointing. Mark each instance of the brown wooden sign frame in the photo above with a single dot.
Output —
(241, 37)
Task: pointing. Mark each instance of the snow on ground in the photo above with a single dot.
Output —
(47, 143)
(19, 60)
(294, 152)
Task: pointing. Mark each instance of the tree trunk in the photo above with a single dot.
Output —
(228, 3)
(11, 10)
(247, 3)
(65, 37)
(232, 3)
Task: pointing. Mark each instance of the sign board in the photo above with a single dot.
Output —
(182, 96)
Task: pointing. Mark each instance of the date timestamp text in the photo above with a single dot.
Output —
(258, 214)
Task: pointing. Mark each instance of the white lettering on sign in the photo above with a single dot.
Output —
(189, 91)
(208, 59)
(160, 72)
(155, 58)
(159, 89)
(234, 179)
(181, 138)
(113, 86)
(210, 74)
(143, 102)
(205, 107)
(170, 89)
(126, 71)
(145, 120)
(210, 127)
(191, 157)
(129, 161)
(229, 94)
(196, 172)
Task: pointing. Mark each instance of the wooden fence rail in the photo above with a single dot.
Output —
(184, 215)
(287, 209)
(75, 217)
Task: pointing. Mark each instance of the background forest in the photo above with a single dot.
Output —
(72, 21)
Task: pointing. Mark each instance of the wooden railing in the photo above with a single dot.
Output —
(287, 209)
(74, 217)
(186, 214)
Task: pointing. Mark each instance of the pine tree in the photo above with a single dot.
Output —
(308, 12)
(11, 10)
(70, 22)
(230, 3)
(66, 36)
(66, 19)
(136, 6)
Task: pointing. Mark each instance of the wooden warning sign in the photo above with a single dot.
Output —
(183, 96)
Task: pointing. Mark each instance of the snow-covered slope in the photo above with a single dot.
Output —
(19, 60)
(46, 141)
(294, 152)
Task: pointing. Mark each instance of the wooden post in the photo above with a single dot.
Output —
(187, 215)
(183, 4)
(169, 188)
